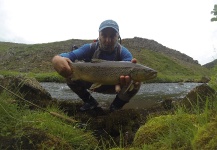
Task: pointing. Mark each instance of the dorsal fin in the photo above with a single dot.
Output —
(97, 60)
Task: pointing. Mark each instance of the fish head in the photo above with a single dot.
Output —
(142, 73)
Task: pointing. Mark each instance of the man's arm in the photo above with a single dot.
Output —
(61, 62)
(125, 54)
(61, 65)
(79, 54)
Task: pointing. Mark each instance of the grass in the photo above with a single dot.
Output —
(34, 129)
(161, 78)
(214, 78)
(22, 128)
(36, 58)
(41, 77)
(167, 65)
(54, 77)
(182, 129)
(35, 61)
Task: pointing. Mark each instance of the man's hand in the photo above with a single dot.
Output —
(125, 80)
(61, 65)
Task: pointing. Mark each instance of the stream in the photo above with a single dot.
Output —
(149, 94)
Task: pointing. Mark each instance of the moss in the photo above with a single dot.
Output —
(149, 132)
(206, 137)
(166, 132)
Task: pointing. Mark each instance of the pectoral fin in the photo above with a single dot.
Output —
(94, 86)
(130, 87)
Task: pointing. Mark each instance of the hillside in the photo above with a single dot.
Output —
(36, 58)
(211, 65)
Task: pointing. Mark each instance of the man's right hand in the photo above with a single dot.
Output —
(126, 81)
(62, 66)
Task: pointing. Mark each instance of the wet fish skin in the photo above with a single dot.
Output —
(109, 72)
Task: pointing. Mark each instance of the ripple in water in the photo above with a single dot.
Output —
(148, 95)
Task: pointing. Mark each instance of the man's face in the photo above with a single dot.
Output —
(108, 38)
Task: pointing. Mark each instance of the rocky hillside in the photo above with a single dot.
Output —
(36, 58)
(141, 43)
(211, 64)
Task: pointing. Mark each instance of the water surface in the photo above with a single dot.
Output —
(149, 94)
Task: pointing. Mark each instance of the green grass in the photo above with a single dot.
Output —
(41, 77)
(36, 58)
(54, 77)
(162, 78)
(182, 129)
(169, 66)
(213, 81)
(38, 129)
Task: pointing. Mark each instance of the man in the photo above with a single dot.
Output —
(106, 48)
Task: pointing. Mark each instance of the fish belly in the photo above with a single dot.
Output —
(103, 74)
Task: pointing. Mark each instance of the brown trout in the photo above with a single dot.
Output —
(103, 72)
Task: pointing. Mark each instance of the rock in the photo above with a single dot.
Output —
(27, 88)
(198, 96)
(205, 79)
(165, 104)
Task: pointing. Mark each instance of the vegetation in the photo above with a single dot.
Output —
(211, 65)
(214, 77)
(35, 61)
(181, 130)
(214, 12)
(41, 77)
(22, 128)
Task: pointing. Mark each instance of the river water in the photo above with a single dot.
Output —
(149, 94)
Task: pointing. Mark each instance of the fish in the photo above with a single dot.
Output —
(103, 72)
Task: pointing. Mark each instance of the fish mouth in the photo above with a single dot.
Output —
(152, 74)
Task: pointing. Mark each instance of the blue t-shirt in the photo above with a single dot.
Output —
(84, 53)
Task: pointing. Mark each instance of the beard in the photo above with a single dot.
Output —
(107, 48)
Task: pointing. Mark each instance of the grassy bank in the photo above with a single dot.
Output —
(35, 59)
(22, 128)
(181, 130)
(41, 77)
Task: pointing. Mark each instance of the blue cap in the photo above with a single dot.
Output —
(109, 24)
